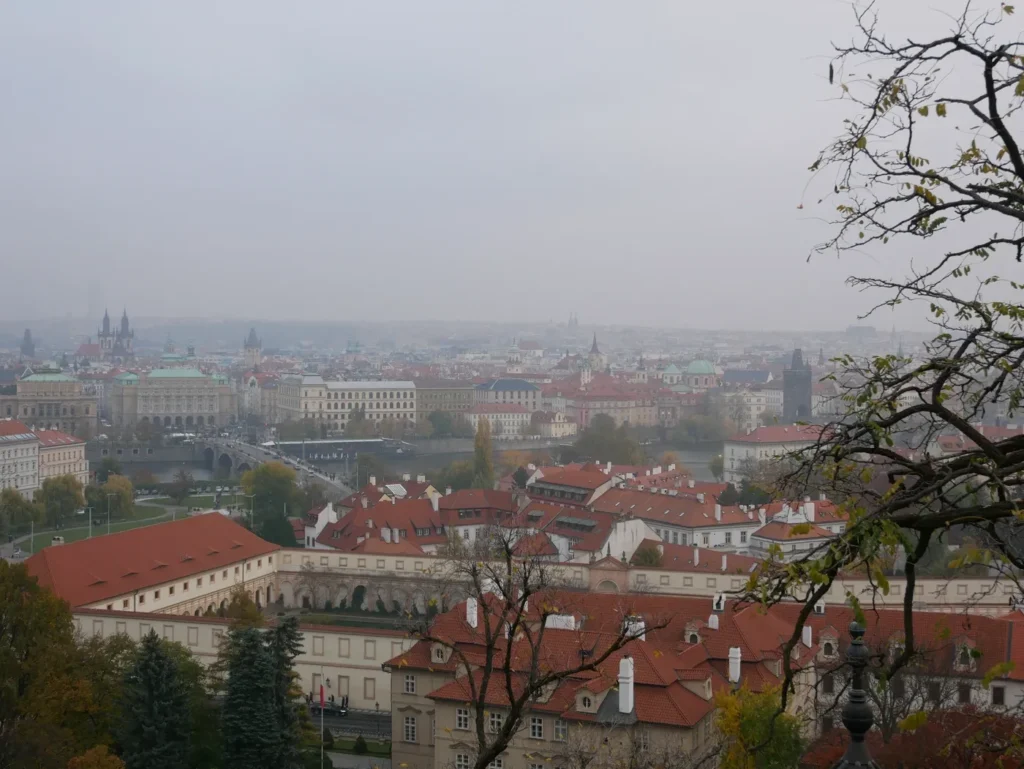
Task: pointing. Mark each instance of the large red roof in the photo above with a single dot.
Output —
(778, 434)
(92, 570)
(51, 438)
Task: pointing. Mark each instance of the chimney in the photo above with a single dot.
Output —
(760, 516)
(735, 661)
(671, 467)
(822, 497)
(750, 514)
(392, 500)
(447, 491)
(809, 511)
(713, 622)
(696, 556)
(626, 685)
(807, 636)
(373, 481)
(365, 501)
(718, 512)
(724, 561)
(471, 617)
(700, 497)
(421, 479)
(435, 502)
(385, 534)
(690, 483)
(608, 467)
(406, 477)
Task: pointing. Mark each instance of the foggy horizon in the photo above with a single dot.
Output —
(447, 161)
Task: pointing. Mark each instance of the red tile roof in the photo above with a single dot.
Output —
(50, 438)
(92, 570)
(589, 479)
(12, 428)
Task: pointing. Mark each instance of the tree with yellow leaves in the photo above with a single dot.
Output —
(754, 734)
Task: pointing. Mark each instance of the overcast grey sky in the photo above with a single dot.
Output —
(637, 162)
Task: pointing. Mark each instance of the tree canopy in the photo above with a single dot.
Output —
(603, 441)
(483, 460)
(59, 498)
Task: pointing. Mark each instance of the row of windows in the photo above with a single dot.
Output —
(48, 410)
(369, 686)
(141, 597)
(496, 720)
(369, 651)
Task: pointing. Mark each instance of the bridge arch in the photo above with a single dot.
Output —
(208, 456)
(607, 586)
(359, 596)
(225, 462)
(244, 467)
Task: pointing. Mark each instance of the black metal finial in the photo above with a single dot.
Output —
(857, 715)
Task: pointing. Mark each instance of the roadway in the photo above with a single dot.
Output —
(365, 722)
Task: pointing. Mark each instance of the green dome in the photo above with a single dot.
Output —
(700, 368)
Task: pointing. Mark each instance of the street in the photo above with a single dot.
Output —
(364, 722)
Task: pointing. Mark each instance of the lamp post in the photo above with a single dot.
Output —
(376, 707)
(90, 521)
(857, 715)
(252, 503)
(108, 510)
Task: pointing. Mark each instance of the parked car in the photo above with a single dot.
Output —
(332, 707)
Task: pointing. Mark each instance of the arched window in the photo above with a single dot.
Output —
(965, 656)
(828, 649)
(587, 702)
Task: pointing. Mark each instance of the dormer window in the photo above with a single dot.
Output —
(587, 702)
(694, 638)
(964, 656)
(828, 649)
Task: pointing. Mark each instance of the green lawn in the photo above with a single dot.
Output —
(202, 500)
(73, 535)
(373, 748)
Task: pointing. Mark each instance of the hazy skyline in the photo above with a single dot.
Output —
(636, 163)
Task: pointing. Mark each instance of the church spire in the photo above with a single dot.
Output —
(593, 347)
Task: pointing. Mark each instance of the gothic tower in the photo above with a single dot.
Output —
(796, 390)
(252, 350)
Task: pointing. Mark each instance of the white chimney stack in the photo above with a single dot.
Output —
(735, 661)
(822, 497)
(713, 622)
(373, 480)
(808, 636)
(435, 503)
(718, 512)
(471, 617)
(626, 685)
(724, 561)
(809, 511)
(690, 483)
(760, 516)
(447, 491)
(406, 477)
(421, 479)
(696, 556)
(385, 534)
(700, 497)
(392, 500)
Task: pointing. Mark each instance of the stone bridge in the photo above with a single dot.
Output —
(228, 457)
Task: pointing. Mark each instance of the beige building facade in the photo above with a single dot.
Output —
(179, 398)
(61, 454)
(52, 401)
(19, 458)
(330, 402)
(452, 397)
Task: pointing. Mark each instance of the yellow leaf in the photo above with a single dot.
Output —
(923, 111)
(862, 141)
(913, 721)
(940, 109)
(1019, 90)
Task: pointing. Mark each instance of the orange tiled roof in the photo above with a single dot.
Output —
(92, 570)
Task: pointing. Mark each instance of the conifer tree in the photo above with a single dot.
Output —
(155, 728)
(250, 727)
(483, 461)
(284, 643)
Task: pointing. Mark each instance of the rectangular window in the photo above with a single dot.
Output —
(199, 581)
(170, 590)
(461, 761)
(705, 539)
(370, 650)
(380, 563)
(561, 730)
(728, 537)
(156, 595)
(342, 686)
(462, 718)
(318, 646)
(343, 647)
(663, 579)
(370, 688)
(122, 628)
(934, 691)
(828, 684)
(687, 581)
(494, 722)
(193, 636)
(964, 694)
(361, 563)
(743, 537)
(124, 604)
(410, 683)
(409, 731)
(536, 728)
(497, 763)
(999, 695)
(323, 560)
(712, 582)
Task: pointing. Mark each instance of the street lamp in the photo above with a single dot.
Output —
(252, 504)
(376, 707)
(90, 521)
(109, 495)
